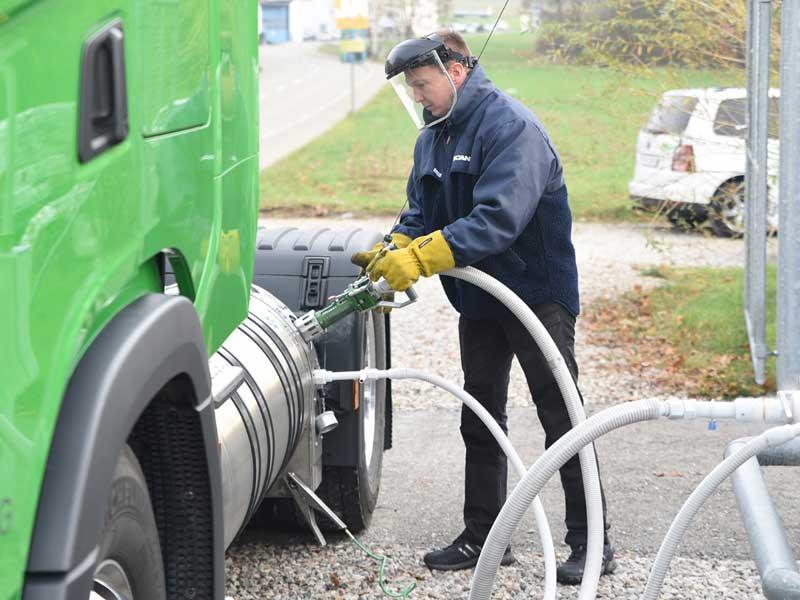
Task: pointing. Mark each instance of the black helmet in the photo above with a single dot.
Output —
(417, 53)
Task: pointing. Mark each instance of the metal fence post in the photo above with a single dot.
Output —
(768, 540)
(759, 15)
(789, 203)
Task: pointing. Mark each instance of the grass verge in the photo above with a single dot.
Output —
(688, 334)
(592, 114)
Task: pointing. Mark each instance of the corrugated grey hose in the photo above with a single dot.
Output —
(538, 475)
(589, 473)
(770, 438)
(538, 510)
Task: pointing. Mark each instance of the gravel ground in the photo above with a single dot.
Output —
(424, 336)
(341, 571)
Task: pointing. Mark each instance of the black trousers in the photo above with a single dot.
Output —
(487, 348)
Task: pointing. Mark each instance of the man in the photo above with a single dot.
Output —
(487, 190)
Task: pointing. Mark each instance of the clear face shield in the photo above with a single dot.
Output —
(426, 91)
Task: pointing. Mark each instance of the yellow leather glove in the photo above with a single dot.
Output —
(362, 259)
(426, 255)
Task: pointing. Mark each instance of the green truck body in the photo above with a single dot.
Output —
(81, 239)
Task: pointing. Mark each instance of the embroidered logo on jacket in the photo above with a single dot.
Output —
(464, 157)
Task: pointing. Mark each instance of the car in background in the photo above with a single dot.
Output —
(690, 159)
(499, 27)
(466, 28)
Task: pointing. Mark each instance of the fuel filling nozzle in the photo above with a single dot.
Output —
(361, 295)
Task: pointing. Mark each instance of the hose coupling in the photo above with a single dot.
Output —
(681, 409)
(321, 377)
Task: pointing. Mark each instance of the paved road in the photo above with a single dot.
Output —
(304, 92)
(648, 471)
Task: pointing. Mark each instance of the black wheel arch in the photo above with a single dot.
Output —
(151, 343)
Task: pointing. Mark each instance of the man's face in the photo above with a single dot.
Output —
(431, 88)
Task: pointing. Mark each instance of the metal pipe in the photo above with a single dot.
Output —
(759, 24)
(787, 455)
(789, 204)
(770, 548)
(680, 525)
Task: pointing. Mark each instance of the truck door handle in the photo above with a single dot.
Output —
(103, 104)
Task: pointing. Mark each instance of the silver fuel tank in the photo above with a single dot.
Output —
(266, 426)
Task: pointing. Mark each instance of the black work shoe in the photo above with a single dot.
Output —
(460, 555)
(570, 572)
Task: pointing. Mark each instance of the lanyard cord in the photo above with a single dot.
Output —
(492, 31)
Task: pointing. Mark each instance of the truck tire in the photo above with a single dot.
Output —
(129, 561)
(352, 492)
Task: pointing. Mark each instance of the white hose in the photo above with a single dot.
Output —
(529, 487)
(542, 525)
(588, 460)
(772, 437)
(749, 410)
(537, 476)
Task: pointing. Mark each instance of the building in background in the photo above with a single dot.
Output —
(297, 20)
(283, 20)
(320, 20)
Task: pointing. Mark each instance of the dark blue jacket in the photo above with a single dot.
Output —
(491, 180)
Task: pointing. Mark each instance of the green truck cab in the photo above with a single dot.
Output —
(129, 150)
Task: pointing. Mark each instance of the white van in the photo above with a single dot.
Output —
(690, 159)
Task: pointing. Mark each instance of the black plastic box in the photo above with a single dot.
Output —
(303, 268)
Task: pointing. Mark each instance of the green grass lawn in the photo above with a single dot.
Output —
(592, 115)
(691, 329)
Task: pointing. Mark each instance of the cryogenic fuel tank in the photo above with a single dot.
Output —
(266, 426)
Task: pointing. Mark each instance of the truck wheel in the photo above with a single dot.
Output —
(352, 492)
(129, 563)
(727, 215)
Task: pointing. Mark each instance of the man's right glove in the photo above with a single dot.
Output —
(363, 259)
(427, 255)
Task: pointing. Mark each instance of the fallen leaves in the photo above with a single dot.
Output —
(656, 344)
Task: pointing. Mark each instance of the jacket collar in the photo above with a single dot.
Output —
(472, 92)
(476, 87)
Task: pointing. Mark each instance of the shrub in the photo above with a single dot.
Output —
(687, 33)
